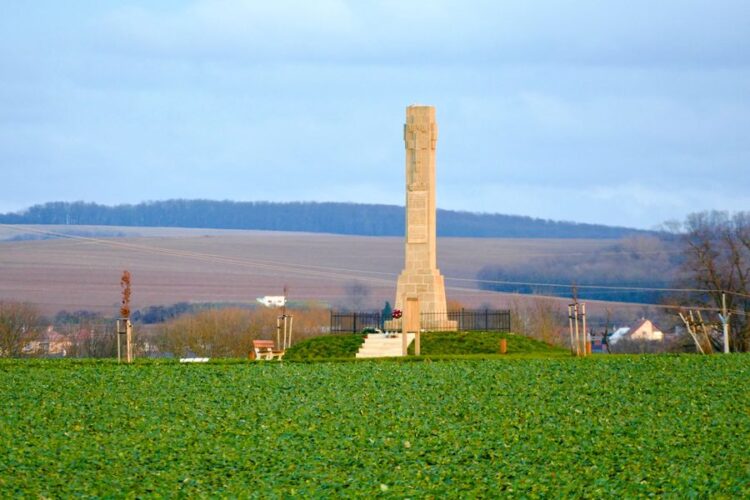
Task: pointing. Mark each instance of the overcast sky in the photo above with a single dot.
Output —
(617, 112)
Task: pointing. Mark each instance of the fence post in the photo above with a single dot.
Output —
(509, 321)
(486, 319)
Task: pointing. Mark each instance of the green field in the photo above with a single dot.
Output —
(607, 426)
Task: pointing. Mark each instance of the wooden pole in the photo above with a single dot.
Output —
(705, 333)
(291, 326)
(570, 324)
(575, 324)
(278, 331)
(411, 323)
(724, 316)
(129, 340)
(286, 332)
(586, 343)
(688, 320)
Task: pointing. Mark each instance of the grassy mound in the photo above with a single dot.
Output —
(458, 343)
(437, 344)
(327, 346)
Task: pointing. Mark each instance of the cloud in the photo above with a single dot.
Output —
(630, 204)
(587, 32)
(239, 28)
(545, 108)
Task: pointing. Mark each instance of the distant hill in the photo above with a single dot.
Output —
(335, 218)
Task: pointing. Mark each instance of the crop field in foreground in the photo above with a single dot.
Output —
(674, 425)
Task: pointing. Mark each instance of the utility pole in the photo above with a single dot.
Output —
(691, 324)
(724, 317)
(570, 325)
(586, 339)
(573, 314)
(578, 336)
(284, 323)
(577, 333)
(605, 337)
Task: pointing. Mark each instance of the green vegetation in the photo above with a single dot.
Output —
(609, 426)
(326, 347)
(449, 343)
(434, 345)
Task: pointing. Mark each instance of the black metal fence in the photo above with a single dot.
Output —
(487, 320)
(490, 320)
(356, 321)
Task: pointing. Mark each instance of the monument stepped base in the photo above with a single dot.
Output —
(378, 345)
(429, 323)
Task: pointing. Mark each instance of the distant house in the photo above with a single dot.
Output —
(644, 330)
(50, 343)
(272, 300)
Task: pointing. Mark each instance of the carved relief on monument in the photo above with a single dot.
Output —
(420, 139)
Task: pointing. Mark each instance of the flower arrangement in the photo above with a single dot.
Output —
(396, 314)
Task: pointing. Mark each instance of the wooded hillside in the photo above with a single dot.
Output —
(335, 218)
(641, 264)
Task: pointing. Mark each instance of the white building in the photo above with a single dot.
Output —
(272, 300)
(645, 330)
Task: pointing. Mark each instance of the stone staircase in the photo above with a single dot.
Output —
(380, 345)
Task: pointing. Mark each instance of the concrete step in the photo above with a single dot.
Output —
(380, 346)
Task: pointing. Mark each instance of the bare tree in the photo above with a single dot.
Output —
(717, 258)
(19, 323)
(91, 339)
(538, 317)
(215, 333)
(357, 294)
(230, 332)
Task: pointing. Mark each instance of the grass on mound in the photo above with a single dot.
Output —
(434, 344)
(326, 347)
(477, 342)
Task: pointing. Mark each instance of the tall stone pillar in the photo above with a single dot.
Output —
(421, 278)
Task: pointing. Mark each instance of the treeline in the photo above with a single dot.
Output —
(638, 262)
(148, 315)
(151, 315)
(335, 218)
(184, 331)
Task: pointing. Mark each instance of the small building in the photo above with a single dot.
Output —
(272, 300)
(643, 330)
(646, 330)
(50, 343)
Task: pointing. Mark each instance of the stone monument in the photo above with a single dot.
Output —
(421, 278)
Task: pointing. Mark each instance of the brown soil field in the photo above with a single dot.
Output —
(170, 265)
